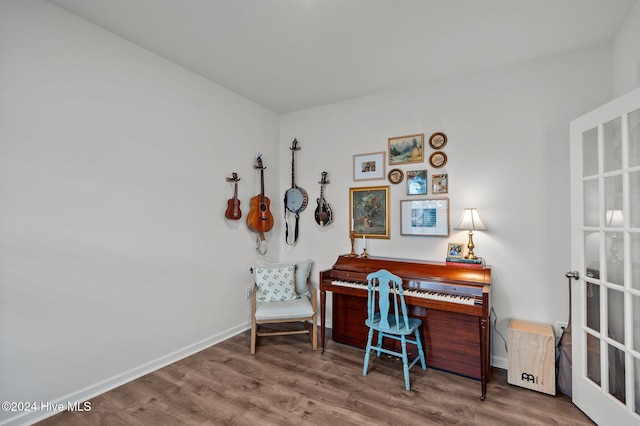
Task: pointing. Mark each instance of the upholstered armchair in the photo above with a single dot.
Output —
(283, 293)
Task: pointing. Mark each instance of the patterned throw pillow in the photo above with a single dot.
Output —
(275, 283)
(303, 269)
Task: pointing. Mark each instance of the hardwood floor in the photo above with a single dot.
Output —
(286, 383)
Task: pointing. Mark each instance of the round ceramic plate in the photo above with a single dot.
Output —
(438, 159)
(395, 176)
(438, 140)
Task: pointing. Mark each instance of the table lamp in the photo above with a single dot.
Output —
(470, 221)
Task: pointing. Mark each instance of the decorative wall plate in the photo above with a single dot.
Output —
(395, 176)
(438, 140)
(438, 159)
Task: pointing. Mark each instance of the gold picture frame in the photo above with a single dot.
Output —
(369, 211)
(406, 149)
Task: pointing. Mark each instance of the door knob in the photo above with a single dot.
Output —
(573, 274)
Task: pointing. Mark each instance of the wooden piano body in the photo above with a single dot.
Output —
(455, 330)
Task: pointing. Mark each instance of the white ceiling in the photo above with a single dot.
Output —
(289, 55)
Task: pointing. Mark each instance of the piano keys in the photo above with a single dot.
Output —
(426, 290)
(452, 302)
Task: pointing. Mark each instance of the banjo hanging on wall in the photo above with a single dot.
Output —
(295, 199)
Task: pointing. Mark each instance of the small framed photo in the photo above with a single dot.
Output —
(369, 166)
(369, 211)
(428, 217)
(440, 184)
(406, 149)
(455, 250)
(417, 182)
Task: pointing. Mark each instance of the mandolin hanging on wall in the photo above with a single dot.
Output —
(323, 213)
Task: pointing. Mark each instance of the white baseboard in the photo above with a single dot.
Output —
(72, 399)
(499, 362)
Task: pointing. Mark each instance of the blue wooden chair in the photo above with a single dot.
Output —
(387, 314)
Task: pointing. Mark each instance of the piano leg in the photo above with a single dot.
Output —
(323, 309)
(484, 355)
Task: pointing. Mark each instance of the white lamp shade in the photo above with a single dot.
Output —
(614, 219)
(470, 221)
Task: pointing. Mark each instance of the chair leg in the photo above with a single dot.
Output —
(405, 362)
(380, 337)
(254, 326)
(367, 353)
(254, 331)
(314, 336)
(423, 360)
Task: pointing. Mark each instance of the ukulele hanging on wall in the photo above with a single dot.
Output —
(260, 219)
(323, 214)
(233, 211)
(295, 199)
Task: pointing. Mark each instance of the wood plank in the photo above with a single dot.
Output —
(286, 383)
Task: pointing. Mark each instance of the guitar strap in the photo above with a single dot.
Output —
(286, 233)
(295, 234)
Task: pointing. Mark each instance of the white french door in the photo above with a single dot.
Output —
(605, 250)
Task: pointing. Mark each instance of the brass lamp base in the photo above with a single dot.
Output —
(353, 252)
(470, 246)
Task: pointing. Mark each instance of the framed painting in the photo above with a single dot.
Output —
(417, 182)
(406, 149)
(428, 217)
(440, 184)
(369, 211)
(455, 250)
(368, 166)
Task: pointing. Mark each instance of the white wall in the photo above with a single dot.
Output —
(115, 257)
(626, 54)
(508, 155)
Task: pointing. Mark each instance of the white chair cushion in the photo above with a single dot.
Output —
(288, 309)
(275, 283)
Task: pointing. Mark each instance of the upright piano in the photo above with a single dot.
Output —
(452, 301)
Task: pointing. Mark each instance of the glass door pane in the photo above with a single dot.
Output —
(634, 255)
(616, 374)
(634, 199)
(592, 305)
(591, 202)
(612, 145)
(593, 359)
(615, 315)
(634, 138)
(635, 307)
(590, 152)
(592, 254)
